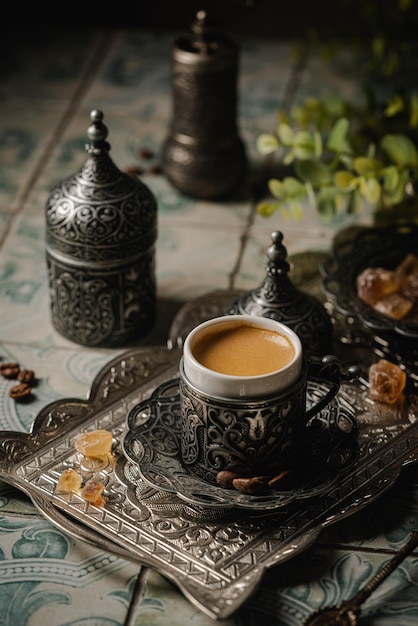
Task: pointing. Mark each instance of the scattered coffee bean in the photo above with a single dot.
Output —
(225, 478)
(145, 153)
(250, 486)
(26, 376)
(253, 485)
(155, 169)
(20, 392)
(9, 370)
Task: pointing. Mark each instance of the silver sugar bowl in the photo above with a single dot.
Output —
(101, 228)
(203, 156)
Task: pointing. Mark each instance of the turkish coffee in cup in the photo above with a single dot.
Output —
(243, 350)
(243, 382)
(241, 356)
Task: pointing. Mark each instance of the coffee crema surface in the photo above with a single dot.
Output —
(243, 350)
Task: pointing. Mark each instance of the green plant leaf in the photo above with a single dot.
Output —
(315, 172)
(326, 204)
(395, 106)
(354, 202)
(370, 189)
(335, 106)
(289, 157)
(267, 143)
(337, 138)
(345, 160)
(318, 145)
(311, 195)
(303, 145)
(286, 134)
(400, 149)
(345, 181)
(365, 165)
(266, 209)
(277, 188)
(398, 193)
(413, 113)
(391, 179)
(294, 188)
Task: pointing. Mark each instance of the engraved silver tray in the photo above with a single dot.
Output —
(217, 563)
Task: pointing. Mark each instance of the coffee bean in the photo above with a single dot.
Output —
(20, 392)
(146, 153)
(225, 478)
(9, 370)
(251, 486)
(26, 376)
(154, 170)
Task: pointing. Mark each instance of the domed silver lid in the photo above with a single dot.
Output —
(100, 213)
(278, 298)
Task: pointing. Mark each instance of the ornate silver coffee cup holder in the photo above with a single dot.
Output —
(329, 446)
(217, 560)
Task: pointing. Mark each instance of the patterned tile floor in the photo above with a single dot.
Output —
(49, 83)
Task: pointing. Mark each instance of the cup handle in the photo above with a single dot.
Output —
(328, 369)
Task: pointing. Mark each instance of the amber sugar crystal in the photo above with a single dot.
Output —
(95, 444)
(387, 381)
(394, 305)
(69, 481)
(376, 282)
(393, 293)
(92, 492)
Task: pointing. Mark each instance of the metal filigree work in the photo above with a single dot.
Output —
(278, 298)
(97, 307)
(203, 156)
(329, 445)
(253, 438)
(101, 214)
(101, 231)
(215, 558)
(248, 438)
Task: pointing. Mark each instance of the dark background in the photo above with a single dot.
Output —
(271, 18)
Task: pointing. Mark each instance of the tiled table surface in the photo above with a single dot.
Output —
(49, 83)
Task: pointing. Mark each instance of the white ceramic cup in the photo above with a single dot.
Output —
(219, 385)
